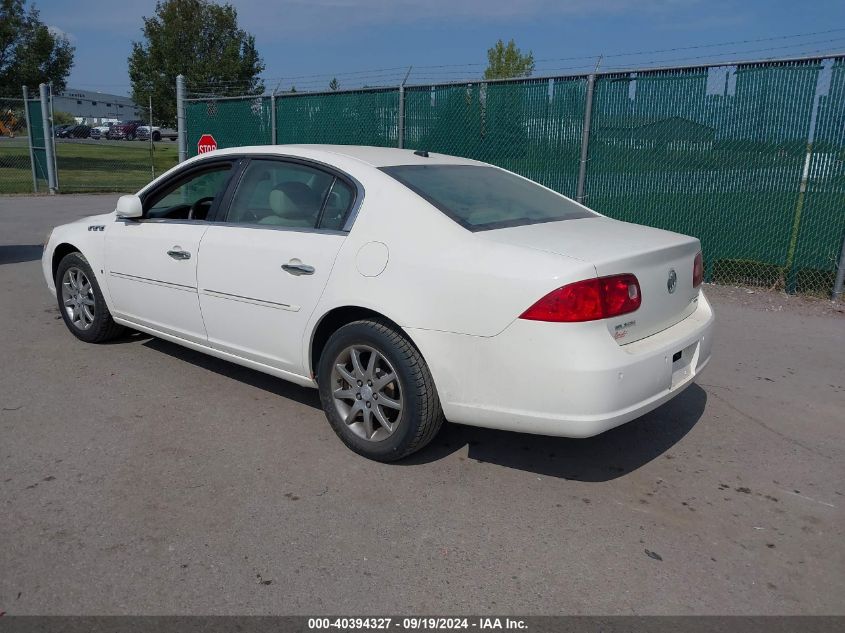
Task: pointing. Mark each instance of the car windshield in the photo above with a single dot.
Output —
(482, 198)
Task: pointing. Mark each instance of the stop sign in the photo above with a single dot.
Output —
(206, 144)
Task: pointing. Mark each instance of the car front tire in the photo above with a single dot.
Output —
(377, 391)
(81, 302)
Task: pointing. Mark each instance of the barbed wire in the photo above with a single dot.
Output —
(378, 77)
(447, 73)
(317, 85)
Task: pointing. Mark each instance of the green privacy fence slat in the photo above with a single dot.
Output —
(36, 132)
(718, 158)
(445, 119)
(15, 163)
(822, 224)
(530, 127)
(232, 122)
(345, 118)
(750, 159)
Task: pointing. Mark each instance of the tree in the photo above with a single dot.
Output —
(63, 118)
(198, 39)
(30, 53)
(334, 84)
(506, 61)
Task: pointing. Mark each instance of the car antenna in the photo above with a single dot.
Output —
(421, 152)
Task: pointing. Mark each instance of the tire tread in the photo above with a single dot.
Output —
(104, 328)
(431, 417)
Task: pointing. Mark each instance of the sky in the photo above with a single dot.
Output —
(307, 42)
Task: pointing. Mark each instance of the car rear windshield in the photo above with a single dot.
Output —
(482, 198)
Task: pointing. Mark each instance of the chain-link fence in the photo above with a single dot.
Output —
(97, 151)
(15, 163)
(89, 151)
(721, 154)
(748, 157)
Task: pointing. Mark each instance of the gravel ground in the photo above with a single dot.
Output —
(141, 477)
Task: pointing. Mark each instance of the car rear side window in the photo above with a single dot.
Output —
(291, 195)
(482, 198)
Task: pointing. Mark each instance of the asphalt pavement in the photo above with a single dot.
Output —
(141, 477)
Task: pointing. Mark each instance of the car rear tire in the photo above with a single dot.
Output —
(377, 391)
(81, 302)
(130, 137)
(156, 137)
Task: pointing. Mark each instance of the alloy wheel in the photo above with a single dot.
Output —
(78, 298)
(367, 393)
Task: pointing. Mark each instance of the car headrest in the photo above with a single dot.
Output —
(293, 199)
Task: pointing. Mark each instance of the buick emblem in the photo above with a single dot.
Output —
(672, 282)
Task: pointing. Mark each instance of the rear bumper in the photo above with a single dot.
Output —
(568, 380)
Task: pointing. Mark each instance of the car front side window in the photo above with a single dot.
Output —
(189, 198)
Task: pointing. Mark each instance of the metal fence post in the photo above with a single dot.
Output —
(273, 136)
(585, 139)
(400, 132)
(49, 139)
(181, 129)
(29, 135)
(53, 139)
(839, 284)
(400, 143)
(152, 148)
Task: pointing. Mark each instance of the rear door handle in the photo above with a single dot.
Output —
(178, 253)
(298, 269)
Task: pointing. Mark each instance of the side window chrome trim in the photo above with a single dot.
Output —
(240, 162)
(272, 227)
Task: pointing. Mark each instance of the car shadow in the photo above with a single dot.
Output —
(252, 377)
(131, 336)
(604, 457)
(19, 253)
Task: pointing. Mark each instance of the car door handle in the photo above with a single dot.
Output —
(178, 253)
(298, 269)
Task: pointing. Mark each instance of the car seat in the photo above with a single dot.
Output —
(292, 204)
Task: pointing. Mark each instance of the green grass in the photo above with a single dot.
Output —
(87, 166)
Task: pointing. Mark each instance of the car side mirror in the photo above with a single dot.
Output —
(129, 207)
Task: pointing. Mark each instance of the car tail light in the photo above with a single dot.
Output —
(697, 271)
(588, 300)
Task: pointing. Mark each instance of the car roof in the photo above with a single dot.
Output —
(373, 156)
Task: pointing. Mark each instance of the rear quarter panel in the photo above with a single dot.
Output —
(438, 275)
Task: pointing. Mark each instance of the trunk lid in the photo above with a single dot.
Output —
(615, 247)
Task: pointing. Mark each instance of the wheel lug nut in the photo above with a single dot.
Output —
(368, 404)
(357, 396)
(369, 383)
(375, 396)
(360, 384)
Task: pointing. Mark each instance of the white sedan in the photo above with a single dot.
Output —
(409, 288)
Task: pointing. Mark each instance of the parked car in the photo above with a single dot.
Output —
(75, 131)
(125, 130)
(408, 287)
(100, 131)
(59, 130)
(143, 133)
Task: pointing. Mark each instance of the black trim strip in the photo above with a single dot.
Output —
(155, 282)
(260, 302)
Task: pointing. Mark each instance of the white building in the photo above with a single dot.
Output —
(96, 107)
